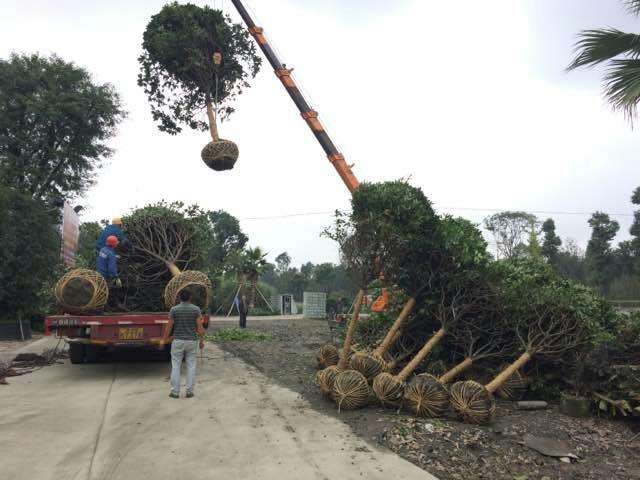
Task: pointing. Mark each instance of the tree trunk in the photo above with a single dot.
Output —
(213, 127)
(503, 376)
(175, 271)
(455, 371)
(421, 355)
(342, 363)
(388, 339)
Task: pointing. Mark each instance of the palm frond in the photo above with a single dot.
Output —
(599, 45)
(622, 86)
(633, 6)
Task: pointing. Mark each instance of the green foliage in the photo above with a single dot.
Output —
(619, 51)
(54, 124)
(599, 255)
(86, 253)
(283, 261)
(177, 70)
(249, 262)
(29, 256)
(510, 230)
(238, 335)
(551, 242)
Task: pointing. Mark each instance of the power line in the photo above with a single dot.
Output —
(474, 209)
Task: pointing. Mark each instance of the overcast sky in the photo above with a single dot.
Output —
(469, 99)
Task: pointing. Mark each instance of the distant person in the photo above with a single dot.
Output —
(339, 306)
(114, 229)
(107, 262)
(187, 326)
(243, 310)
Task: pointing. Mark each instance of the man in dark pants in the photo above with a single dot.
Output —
(243, 310)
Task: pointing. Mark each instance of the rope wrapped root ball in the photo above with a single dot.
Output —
(81, 290)
(513, 388)
(327, 356)
(472, 402)
(389, 389)
(198, 284)
(220, 155)
(326, 378)
(369, 365)
(425, 396)
(351, 390)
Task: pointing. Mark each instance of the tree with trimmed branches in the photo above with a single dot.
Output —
(194, 59)
(599, 255)
(551, 242)
(55, 123)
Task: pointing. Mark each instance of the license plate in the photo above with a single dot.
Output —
(131, 333)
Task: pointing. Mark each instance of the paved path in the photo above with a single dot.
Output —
(115, 421)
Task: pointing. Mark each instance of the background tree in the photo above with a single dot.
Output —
(570, 261)
(54, 124)
(29, 256)
(86, 253)
(551, 242)
(619, 51)
(510, 229)
(177, 70)
(599, 254)
(635, 228)
(283, 261)
(222, 238)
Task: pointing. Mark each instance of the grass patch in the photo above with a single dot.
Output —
(238, 335)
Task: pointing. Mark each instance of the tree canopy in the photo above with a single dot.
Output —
(177, 70)
(510, 230)
(54, 125)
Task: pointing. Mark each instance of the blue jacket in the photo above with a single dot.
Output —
(114, 230)
(107, 263)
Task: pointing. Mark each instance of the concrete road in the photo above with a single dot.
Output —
(115, 421)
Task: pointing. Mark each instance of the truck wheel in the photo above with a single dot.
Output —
(92, 353)
(76, 352)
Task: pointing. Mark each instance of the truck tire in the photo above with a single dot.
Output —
(92, 353)
(76, 352)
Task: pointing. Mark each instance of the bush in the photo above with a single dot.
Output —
(238, 335)
(29, 256)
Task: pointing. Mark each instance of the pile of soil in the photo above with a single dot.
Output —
(25, 363)
(446, 447)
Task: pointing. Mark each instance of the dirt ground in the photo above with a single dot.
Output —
(446, 447)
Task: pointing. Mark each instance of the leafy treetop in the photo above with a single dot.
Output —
(177, 70)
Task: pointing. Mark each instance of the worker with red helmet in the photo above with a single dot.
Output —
(107, 261)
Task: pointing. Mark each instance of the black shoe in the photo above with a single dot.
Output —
(189, 394)
(174, 395)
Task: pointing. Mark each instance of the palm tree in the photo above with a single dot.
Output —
(621, 53)
(249, 265)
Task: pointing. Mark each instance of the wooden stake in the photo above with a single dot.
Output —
(342, 364)
(504, 375)
(388, 339)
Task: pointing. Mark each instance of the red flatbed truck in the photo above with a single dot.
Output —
(87, 335)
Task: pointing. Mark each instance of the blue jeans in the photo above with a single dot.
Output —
(180, 349)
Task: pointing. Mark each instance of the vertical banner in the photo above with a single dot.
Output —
(70, 233)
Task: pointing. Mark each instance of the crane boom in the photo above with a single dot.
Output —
(308, 114)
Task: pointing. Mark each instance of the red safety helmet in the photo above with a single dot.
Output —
(112, 241)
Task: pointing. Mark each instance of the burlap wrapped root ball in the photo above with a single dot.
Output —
(425, 396)
(81, 290)
(327, 356)
(513, 388)
(351, 390)
(220, 155)
(367, 364)
(196, 282)
(326, 378)
(472, 402)
(389, 389)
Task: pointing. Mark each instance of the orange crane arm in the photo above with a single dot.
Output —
(308, 114)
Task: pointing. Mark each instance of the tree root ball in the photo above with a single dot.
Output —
(425, 396)
(220, 155)
(325, 379)
(513, 388)
(388, 389)
(196, 282)
(81, 290)
(472, 402)
(351, 390)
(368, 365)
(327, 355)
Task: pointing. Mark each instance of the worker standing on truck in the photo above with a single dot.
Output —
(114, 229)
(107, 262)
(187, 326)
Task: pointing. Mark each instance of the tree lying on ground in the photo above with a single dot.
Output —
(54, 124)
(195, 58)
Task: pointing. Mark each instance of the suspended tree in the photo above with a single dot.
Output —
(195, 58)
